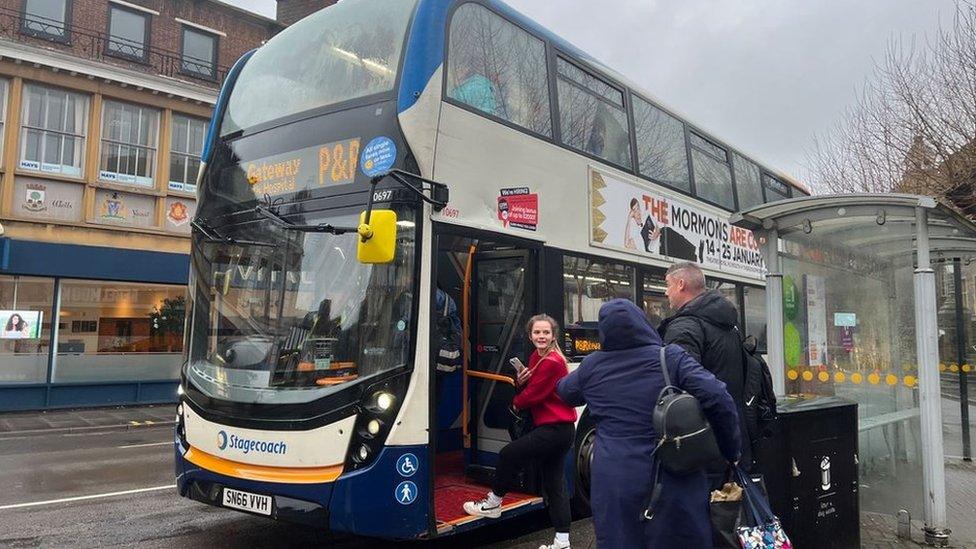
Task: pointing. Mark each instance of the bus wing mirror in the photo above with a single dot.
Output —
(377, 239)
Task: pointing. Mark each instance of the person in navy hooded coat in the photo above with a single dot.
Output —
(619, 385)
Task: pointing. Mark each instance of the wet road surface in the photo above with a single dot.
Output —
(116, 489)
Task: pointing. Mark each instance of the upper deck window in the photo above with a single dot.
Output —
(747, 182)
(713, 175)
(499, 69)
(775, 189)
(346, 51)
(591, 115)
(661, 150)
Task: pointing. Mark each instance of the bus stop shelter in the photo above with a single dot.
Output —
(853, 311)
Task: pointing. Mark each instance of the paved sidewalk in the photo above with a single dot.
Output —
(53, 421)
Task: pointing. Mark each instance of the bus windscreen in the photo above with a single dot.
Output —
(349, 50)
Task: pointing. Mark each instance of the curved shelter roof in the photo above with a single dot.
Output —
(845, 219)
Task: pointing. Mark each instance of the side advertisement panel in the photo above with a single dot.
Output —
(629, 217)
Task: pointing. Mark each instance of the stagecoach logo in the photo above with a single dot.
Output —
(35, 198)
(246, 445)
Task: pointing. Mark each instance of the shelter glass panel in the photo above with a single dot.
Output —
(849, 331)
(25, 328)
(499, 69)
(755, 313)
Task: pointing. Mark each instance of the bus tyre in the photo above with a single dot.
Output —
(582, 463)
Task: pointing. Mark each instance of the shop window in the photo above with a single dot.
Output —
(755, 313)
(588, 284)
(499, 69)
(128, 32)
(128, 143)
(591, 115)
(186, 146)
(46, 19)
(119, 331)
(661, 151)
(747, 182)
(25, 328)
(713, 175)
(199, 56)
(53, 130)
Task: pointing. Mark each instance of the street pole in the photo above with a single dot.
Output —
(930, 397)
(961, 359)
(774, 311)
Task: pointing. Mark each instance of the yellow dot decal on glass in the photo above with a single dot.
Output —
(823, 376)
(942, 367)
(792, 374)
(953, 368)
(874, 379)
(856, 378)
(891, 379)
(910, 381)
(839, 377)
(966, 368)
(808, 376)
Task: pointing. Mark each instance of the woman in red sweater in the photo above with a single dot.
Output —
(551, 437)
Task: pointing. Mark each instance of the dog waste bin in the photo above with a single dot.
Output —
(809, 464)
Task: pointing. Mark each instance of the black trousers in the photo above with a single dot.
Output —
(547, 445)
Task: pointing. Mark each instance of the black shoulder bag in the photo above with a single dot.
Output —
(687, 443)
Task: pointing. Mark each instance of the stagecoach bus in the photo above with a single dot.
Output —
(388, 191)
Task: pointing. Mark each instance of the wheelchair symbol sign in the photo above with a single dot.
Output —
(406, 492)
(407, 465)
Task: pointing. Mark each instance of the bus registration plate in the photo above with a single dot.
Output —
(248, 502)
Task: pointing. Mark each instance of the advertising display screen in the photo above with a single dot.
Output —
(20, 324)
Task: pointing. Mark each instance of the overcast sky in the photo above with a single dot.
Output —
(764, 76)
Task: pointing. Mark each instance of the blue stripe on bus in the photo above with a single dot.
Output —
(213, 131)
(425, 50)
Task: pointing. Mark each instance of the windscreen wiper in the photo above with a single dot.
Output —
(213, 235)
(438, 199)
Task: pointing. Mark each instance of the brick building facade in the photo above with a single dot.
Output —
(104, 106)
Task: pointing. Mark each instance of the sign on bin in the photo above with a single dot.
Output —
(845, 319)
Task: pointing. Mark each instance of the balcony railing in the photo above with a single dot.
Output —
(19, 26)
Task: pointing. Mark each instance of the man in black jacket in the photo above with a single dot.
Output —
(705, 324)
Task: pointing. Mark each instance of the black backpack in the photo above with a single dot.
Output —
(686, 442)
(757, 392)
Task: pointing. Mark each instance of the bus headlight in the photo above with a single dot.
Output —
(373, 428)
(362, 453)
(383, 401)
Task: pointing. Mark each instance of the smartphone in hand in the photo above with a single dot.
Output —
(517, 364)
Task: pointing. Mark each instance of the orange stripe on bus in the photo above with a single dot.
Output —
(286, 475)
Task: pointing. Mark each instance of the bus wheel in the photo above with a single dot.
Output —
(582, 463)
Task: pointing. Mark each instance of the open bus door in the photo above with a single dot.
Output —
(496, 293)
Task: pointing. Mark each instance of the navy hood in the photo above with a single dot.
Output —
(624, 326)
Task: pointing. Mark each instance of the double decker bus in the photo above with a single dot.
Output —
(383, 179)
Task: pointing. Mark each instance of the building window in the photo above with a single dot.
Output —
(46, 19)
(499, 69)
(128, 143)
(128, 32)
(53, 130)
(747, 182)
(199, 56)
(591, 115)
(186, 146)
(661, 151)
(119, 331)
(713, 175)
(25, 328)
(775, 189)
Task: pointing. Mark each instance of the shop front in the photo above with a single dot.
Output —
(89, 326)
(852, 313)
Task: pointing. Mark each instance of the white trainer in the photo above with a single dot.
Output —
(556, 544)
(482, 509)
